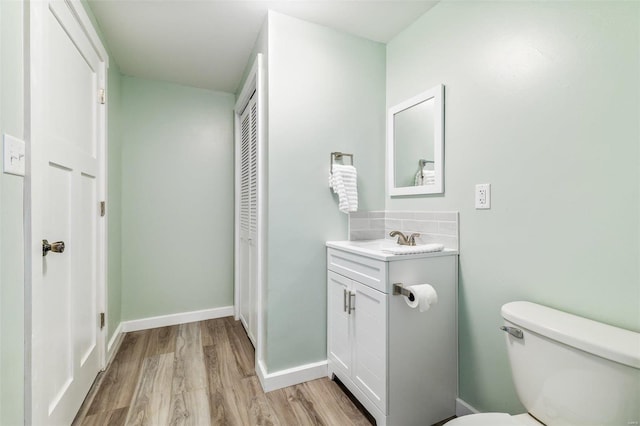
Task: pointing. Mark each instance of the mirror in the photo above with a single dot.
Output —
(415, 144)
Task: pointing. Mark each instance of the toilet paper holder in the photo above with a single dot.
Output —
(399, 290)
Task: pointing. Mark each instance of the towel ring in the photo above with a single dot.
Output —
(338, 156)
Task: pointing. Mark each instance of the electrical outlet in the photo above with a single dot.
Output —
(483, 196)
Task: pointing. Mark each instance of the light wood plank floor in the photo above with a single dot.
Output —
(203, 374)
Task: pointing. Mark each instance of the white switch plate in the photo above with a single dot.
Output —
(14, 152)
(483, 196)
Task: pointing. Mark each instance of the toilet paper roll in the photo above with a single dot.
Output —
(424, 295)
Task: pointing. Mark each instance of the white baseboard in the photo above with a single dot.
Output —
(291, 376)
(174, 319)
(464, 409)
(269, 381)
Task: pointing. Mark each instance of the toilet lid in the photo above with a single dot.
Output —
(485, 419)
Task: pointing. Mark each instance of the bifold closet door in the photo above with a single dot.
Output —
(248, 219)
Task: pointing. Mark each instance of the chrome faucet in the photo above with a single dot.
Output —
(403, 240)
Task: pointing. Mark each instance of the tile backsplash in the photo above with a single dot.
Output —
(433, 227)
(366, 225)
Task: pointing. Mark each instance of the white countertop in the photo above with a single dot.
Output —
(374, 249)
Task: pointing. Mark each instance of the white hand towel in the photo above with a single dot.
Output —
(424, 295)
(343, 181)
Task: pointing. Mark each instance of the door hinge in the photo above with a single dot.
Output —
(103, 208)
(102, 95)
(101, 320)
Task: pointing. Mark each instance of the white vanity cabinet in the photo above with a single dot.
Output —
(400, 363)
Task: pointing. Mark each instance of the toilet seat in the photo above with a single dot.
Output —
(494, 419)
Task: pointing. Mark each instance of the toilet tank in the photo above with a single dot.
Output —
(570, 370)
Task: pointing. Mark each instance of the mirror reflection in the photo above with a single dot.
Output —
(413, 135)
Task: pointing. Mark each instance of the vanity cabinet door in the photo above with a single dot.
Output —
(370, 343)
(339, 347)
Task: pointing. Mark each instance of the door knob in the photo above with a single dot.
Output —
(57, 247)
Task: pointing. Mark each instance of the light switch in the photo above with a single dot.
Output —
(14, 155)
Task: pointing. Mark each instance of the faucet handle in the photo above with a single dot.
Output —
(402, 239)
(412, 239)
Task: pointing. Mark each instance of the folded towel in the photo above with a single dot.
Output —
(425, 177)
(343, 180)
(422, 248)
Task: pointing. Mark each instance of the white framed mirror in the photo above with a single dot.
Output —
(415, 144)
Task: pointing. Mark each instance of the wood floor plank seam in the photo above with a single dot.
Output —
(202, 374)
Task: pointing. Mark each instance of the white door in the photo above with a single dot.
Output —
(248, 257)
(66, 185)
(370, 344)
(338, 322)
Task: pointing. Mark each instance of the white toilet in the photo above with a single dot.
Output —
(567, 370)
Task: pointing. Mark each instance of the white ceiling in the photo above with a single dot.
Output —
(207, 43)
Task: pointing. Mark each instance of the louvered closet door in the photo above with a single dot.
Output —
(253, 221)
(248, 218)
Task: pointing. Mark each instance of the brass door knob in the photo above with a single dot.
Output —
(57, 247)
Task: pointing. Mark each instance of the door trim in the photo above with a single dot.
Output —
(254, 83)
(33, 80)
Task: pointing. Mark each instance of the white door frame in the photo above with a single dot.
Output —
(34, 80)
(254, 83)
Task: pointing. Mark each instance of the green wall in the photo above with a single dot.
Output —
(542, 101)
(326, 93)
(177, 198)
(11, 227)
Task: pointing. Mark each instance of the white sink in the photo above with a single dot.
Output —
(417, 249)
(374, 244)
(386, 249)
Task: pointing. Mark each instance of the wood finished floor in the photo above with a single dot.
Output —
(203, 374)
